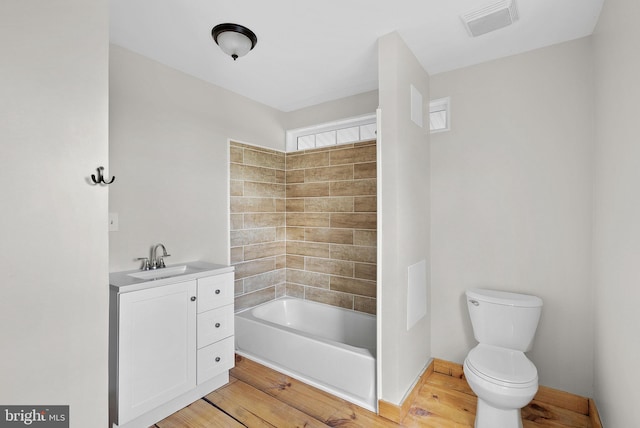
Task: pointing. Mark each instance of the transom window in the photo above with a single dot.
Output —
(345, 131)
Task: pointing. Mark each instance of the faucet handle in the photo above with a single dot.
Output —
(145, 262)
(161, 260)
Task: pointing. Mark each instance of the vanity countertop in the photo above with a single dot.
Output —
(133, 280)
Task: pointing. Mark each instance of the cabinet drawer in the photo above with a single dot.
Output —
(215, 325)
(215, 359)
(215, 291)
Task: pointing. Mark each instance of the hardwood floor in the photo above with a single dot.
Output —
(257, 396)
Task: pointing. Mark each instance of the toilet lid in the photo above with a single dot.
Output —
(502, 365)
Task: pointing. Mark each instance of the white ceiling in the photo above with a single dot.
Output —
(311, 52)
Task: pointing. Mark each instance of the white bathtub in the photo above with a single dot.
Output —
(330, 348)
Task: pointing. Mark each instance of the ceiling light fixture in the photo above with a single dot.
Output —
(234, 39)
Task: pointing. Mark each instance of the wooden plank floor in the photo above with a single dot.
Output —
(257, 396)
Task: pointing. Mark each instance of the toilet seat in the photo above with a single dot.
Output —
(501, 366)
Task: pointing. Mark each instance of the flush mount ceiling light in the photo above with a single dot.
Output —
(234, 39)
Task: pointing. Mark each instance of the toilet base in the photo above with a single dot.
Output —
(488, 416)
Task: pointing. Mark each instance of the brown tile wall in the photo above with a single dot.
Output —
(331, 225)
(304, 224)
(258, 221)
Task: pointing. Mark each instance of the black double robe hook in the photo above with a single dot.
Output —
(100, 179)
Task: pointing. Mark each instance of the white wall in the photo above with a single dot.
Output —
(355, 105)
(53, 250)
(617, 213)
(511, 203)
(168, 148)
(169, 151)
(403, 181)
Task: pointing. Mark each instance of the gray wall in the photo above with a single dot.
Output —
(169, 148)
(169, 145)
(617, 213)
(356, 105)
(53, 250)
(511, 203)
(403, 197)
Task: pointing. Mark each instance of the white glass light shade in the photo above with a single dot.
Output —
(234, 40)
(234, 44)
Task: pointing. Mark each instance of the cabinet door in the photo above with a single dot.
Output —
(157, 347)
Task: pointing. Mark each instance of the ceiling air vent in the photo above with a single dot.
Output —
(491, 17)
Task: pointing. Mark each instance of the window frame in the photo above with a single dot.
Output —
(292, 135)
(439, 105)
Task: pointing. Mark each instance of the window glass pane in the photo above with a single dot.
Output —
(348, 135)
(325, 138)
(438, 120)
(368, 132)
(439, 115)
(306, 142)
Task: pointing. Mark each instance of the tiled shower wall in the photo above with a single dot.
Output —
(331, 225)
(304, 224)
(258, 219)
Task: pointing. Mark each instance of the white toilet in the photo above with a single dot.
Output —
(497, 370)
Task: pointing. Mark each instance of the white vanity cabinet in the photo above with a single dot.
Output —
(171, 342)
(215, 327)
(156, 347)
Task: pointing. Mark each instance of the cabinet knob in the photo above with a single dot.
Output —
(217, 359)
(217, 325)
(193, 298)
(218, 291)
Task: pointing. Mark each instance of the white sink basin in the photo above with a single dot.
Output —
(132, 280)
(167, 272)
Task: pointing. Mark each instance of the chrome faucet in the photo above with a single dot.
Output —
(157, 262)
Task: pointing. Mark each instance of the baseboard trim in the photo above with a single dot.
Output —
(554, 397)
(594, 416)
(564, 400)
(397, 413)
(448, 368)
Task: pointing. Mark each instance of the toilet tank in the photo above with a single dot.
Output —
(499, 318)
